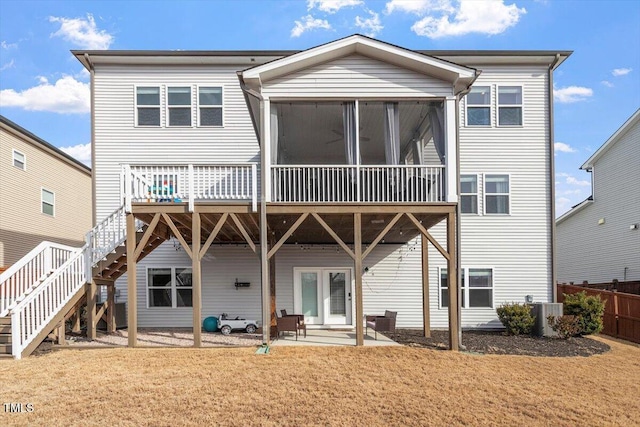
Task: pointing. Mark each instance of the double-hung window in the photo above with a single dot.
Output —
(148, 105)
(476, 285)
(479, 106)
(496, 194)
(48, 200)
(469, 194)
(210, 106)
(169, 287)
(509, 105)
(179, 105)
(19, 160)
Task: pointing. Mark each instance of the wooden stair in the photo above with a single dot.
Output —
(5, 337)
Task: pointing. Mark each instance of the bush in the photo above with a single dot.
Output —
(565, 326)
(516, 318)
(588, 310)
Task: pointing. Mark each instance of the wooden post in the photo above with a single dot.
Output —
(132, 289)
(615, 313)
(76, 320)
(272, 287)
(197, 279)
(111, 309)
(91, 309)
(357, 232)
(61, 332)
(426, 313)
(452, 273)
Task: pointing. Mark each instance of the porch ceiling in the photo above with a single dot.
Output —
(309, 232)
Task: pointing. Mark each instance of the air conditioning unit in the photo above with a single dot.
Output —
(542, 310)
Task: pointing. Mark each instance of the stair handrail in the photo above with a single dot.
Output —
(107, 235)
(31, 315)
(27, 272)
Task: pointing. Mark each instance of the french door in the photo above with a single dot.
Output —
(323, 295)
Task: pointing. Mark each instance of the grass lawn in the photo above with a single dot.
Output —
(293, 386)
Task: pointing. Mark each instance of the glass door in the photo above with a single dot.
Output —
(337, 296)
(308, 295)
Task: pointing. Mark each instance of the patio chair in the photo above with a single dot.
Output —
(301, 325)
(286, 324)
(386, 323)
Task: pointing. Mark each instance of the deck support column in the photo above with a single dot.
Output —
(196, 274)
(132, 296)
(452, 281)
(111, 308)
(426, 314)
(272, 287)
(265, 162)
(357, 232)
(76, 320)
(91, 309)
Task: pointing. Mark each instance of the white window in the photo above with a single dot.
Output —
(469, 194)
(169, 287)
(48, 202)
(478, 293)
(510, 106)
(148, 105)
(210, 106)
(179, 106)
(496, 194)
(478, 102)
(19, 160)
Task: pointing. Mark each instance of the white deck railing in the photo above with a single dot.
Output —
(188, 183)
(354, 184)
(29, 271)
(31, 315)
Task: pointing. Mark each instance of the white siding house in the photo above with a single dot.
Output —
(288, 106)
(598, 240)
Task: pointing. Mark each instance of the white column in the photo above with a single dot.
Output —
(266, 146)
(450, 149)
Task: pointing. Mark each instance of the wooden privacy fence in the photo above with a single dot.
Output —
(625, 287)
(621, 314)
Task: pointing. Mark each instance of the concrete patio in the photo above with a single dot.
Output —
(331, 337)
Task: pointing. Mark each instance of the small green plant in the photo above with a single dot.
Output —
(516, 318)
(588, 310)
(565, 326)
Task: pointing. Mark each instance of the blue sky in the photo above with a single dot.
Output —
(44, 89)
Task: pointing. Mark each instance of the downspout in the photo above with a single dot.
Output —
(552, 190)
(93, 141)
(265, 288)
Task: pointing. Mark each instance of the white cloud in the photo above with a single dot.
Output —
(445, 18)
(307, 23)
(81, 152)
(8, 65)
(332, 6)
(67, 95)
(370, 26)
(570, 192)
(562, 204)
(565, 148)
(607, 83)
(617, 72)
(82, 32)
(8, 46)
(569, 94)
(572, 180)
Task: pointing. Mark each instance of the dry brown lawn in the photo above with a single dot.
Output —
(294, 386)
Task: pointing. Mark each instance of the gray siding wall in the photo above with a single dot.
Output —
(601, 253)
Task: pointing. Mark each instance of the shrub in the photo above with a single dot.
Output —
(565, 326)
(588, 310)
(516, 318)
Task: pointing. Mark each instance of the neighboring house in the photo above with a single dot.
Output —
(342, 180)
(47, 194)
(598, 240)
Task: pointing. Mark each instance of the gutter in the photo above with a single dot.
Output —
(246, 92)
(552, 189)
(92, 72)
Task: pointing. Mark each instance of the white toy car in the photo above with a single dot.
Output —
(226, 325)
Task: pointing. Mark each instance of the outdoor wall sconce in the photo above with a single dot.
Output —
(241, 284)
(528, 299)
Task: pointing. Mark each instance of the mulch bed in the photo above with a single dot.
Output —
(497, 342)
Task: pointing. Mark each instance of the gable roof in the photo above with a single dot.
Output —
(461, 76)
(634, 119)
(51, 149)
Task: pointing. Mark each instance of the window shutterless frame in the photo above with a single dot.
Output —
(479, 98)
(469, 194)
(19, 160)
(179, 106)
(486, 179)
(466, 286)
(205, 95)
(47, 202)
(512, 99)
(146, 105)
(176, 284)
